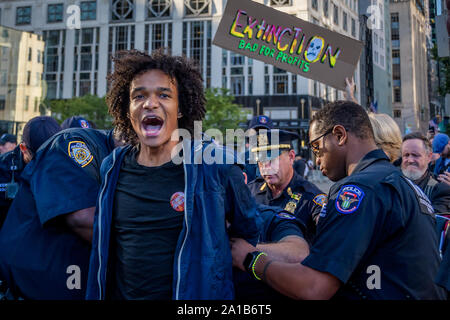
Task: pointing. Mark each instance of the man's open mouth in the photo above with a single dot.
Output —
(152, 125)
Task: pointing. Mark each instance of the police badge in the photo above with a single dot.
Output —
(79, 152)
(263, 140)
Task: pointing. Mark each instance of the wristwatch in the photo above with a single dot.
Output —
(249, 260)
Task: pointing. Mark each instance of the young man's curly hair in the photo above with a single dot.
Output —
(130, 64)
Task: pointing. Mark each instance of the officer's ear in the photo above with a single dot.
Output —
(292, 155)
(27, 155)
(341, 134)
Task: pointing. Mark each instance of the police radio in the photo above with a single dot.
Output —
(12, 187)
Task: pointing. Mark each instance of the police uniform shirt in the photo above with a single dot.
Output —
(9, 162)
(275, 227)
(300, 198)
(375, 237)
(40, 258)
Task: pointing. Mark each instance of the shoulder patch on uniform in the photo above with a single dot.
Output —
(80, 153)
(285, 215)
(348, 199)
(320, 199)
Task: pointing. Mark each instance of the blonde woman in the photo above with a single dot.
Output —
(387, 134)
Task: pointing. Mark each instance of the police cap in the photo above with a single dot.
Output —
(270, 143)
(6, 137)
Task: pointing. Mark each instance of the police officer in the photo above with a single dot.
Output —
(257, 123)
(279, 184)
(375, 237)
(35, 133)
(45, 240)
(7, 143)
(77, 122)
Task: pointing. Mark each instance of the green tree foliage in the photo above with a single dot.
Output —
(221, 112)
(90, 107)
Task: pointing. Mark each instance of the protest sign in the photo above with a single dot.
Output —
(289, 43)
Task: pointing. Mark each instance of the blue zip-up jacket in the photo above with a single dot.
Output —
(203, 264)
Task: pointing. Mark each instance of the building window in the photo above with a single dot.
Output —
(280, 81)
(27, 101)
(294, 84)
(36, 104)
(2, 102)
(395, 32)
(122, 10)
(397, 94)
(197, 7)
(344, 21)
(85, 61)
(23, 15)
(54, 62)
(4, 78)
(88, 10)
(279, 3)
(353, 27)
(394, 20)
(315, 4)
(28, 78)
(197, 45)
(396, 71)
(325, 8)
(30, 54)
(158, 35)
(397, 113)
(239, 72)
(120, 38)
(55, 12)
(335, 14)
(266, 80)
(159, 8)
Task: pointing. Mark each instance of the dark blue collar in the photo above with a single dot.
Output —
(370, 158)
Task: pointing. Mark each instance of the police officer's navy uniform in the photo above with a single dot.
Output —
(275, 227)
(40, 258)
(376, 235)
(300, 198)
(11, 166)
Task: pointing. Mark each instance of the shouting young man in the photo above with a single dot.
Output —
(160, 229)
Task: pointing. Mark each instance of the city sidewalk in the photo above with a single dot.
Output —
(322, 182)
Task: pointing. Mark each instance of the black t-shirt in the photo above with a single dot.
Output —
(147, 220)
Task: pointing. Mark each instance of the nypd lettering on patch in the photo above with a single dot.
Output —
(80, 153)
(349, 199)
(285, 215)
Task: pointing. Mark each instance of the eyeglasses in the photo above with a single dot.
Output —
(315, 149)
